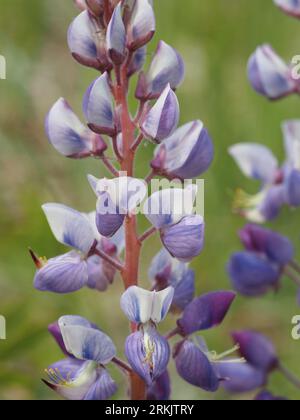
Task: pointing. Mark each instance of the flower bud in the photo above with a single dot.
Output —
(116, 37)
(269, 75)
(187, 154)
(161, 121)
(137, 62)
(141, 26)
(240, 377)
(167, 67)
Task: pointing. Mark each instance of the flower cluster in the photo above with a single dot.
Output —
(111, 37)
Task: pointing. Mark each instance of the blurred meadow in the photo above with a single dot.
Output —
(215, 38)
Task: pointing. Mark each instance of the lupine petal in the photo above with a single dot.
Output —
(167, 67)
(148, 354)
(116, 37)
(100, 274)
(293, 188)
(240, 377)
(68, 135)
(56, 334)
(276, 247)
(137, 61)
(98, 106)
(167, 207)
(108, 218)
(257, 350)
(103, 389)
(194, 367)
(141, 27)
(160, 390)
(186, 154)
(185, 240)
(205, 312)
(69, 227)
(255, 161)
(252, 275)
(272, 203)
(71, 378)
(82, 40)
(162, 120)
(64, 274)
(268, 396)
(141, 306)
(269, 74)
(87, 343)
(291, 7)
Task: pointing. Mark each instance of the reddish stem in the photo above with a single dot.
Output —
(130, 271)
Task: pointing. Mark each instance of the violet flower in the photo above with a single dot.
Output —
(171, 211)
(269, 75)
(147, 352)
(259, 269)
(72, 271)
(83, 374)
(279, 185)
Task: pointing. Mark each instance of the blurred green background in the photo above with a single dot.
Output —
(215, 38)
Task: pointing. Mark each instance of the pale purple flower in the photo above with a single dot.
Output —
(290, 7)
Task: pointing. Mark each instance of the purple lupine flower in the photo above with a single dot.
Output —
(160, 390)
(279, 185)
(259, 269)
(168, 271)
(252, 274)
(290, 7)
(141, 26)
(257, 350)
(147, 352)
(240, 377)
(171, 211)
(98, 107)
(167, 67)
(269, 75)
(116, 37)
(193, 366)
(161, 121)
(268, 396)
(69, 136)
(205, 312)
(274, 246)
(85, 40)
(82, 376)
(72, 271)
(188, 153)
(116, 199)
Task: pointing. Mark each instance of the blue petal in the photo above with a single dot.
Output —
(148, 354)
(194, 367)
(103, 389)
(240, 377)
(185, 240)
(108, 219)
(293, 188)
(160, 390)
(70, 227)
(252, 275)
(64, 274)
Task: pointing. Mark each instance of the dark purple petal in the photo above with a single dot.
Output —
(160, 390)
(293, 188)
(240, 377)
(267, 396)
(205, 312)
(65, 274)
(194, 367)
(185, 240)
(148, 354)
(108, 218)
(275, 246)
(257, 350)
(103, 389)
(252, 275)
